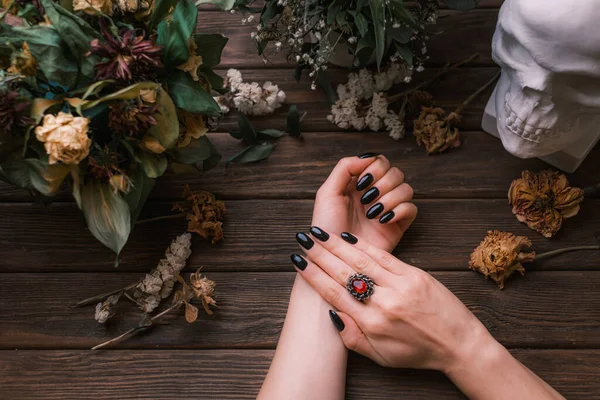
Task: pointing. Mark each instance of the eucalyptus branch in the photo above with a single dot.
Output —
(138, 328)
(102, 296)
(565, 250)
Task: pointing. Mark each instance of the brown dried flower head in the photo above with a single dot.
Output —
(193, 62)
(23, 62)
(205, 214)
(191, 126)
(203, 289)
(435, 131)
(499, 255)
(543, 200)
(104, 309)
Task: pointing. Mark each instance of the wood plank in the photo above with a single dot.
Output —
(455, 37)
(480, 168)
(236, 375)
(260, 235)
(547, 309)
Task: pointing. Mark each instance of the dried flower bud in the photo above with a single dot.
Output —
(435, 130)
(499, 255)
(543, 200)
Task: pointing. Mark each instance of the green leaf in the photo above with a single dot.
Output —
(45, 44)
(225, 5)
(213, 160)
(160, 12)
(34, 174)
(378, 13)
(401, 13)
(267, 134)
(298, 71)
(141, 186)
(76, 33)
(332, 12)
(270, 10)
(198, 150)
(189, 95)
(154, 165)
(246, 131)
(166, 129)
(293, 122)
(361, 23)
(210, 47)
(215, 80)
(107, 215)
(128, 93)
(461, 5)
(174, 32)
(8, 145)
(401, 35)
(340, 18)
(405, 52)
(252, 153)
(324, 83)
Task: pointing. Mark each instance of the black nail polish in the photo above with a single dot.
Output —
(304, 240)
(299, 262)
(369, 195)
(319, 233)
(368, 155)
(364, 182)
(375, 211)
(387, 217)
(350, 238)
(337, 321)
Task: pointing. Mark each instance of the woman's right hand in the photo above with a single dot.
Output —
(411, 320)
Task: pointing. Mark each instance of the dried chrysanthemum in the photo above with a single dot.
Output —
(129, 55)
(65, 138)
(23, 62)
(14, 112)
(543, 200)
(104, 308)
(436, 131)
(193, 62)
(204, 214)
(104, 163)
(499, 255)
(191, 126)
(131, 117)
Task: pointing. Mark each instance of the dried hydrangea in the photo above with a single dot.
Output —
(249, 98)
(436, 131)
(204, 214)
(543, 200)
(158, 284)
(499, 255)
(65, 138)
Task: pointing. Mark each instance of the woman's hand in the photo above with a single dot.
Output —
(370, 177)
(411, 320)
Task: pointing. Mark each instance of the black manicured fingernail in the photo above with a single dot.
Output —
(299, 262)
(350, 238)
(337, 321)
(387, 217)
(364, 182)
(375, 211)
(368, 155)
(369, 195)
(319, 233)
(304, 240)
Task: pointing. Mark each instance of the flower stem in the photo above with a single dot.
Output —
(102, 296)
(143, 221)
(446, 68)
(133, 331)
(566, 249)
(591, 190)
(477, 93)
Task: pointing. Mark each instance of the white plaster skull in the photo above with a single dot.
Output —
(548, 96)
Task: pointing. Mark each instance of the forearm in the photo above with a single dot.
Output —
(310, 360)
(490, 372)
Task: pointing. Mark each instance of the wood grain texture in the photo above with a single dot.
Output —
(260, 236)
(454, 37)
(237, 375)
(540, 310)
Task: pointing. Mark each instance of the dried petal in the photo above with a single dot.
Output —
(191, 313)
(193, 62)
(191, 126)
(499, 255)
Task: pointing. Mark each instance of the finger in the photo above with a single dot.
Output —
(341, 260)
(328, 289)
(392, 179)
(373, 173)
(404, 214)
(328, 262)
(354, 339)
(343, 173)
(387, 202)
(381, 257)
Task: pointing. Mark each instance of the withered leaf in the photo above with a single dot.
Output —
(191, 312)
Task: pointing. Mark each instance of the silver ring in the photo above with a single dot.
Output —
(360, 286)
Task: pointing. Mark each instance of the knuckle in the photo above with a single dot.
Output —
(332, 295)
(352, 342)
(409, 190)
(386, 259)
(361, 264)
(376, 325)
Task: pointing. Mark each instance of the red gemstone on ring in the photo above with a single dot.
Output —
(359, 286)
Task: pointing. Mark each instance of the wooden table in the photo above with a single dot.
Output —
(550, 318)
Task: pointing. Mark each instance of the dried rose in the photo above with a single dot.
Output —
(435, 131)
(93, 7)
(543, 200)
(499, 255)
(23, 62)
(65, 138)
(191, 126)
(193, 62)
(204, 214)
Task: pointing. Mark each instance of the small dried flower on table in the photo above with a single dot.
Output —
(436, 131)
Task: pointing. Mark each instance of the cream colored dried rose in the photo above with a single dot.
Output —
(499, 255)
(65, 138)
(543, 200)
(92, 7)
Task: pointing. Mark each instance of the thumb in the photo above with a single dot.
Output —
(354, 339)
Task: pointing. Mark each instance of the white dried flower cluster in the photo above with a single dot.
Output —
(363, 101)
(249, 98)
(158, 284)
